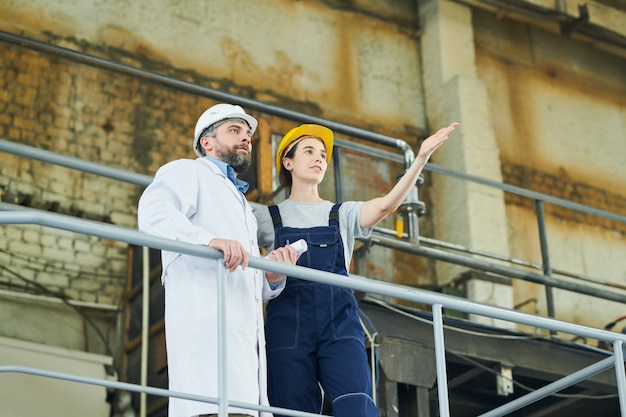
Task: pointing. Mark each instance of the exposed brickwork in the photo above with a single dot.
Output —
(93, 114)
(563, 188)
(120, 121)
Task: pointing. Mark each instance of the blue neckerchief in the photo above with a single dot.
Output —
(227, 170)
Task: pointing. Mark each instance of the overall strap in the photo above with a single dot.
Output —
(275, 213)
(333, 216)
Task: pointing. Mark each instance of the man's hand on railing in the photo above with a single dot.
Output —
(234, 253)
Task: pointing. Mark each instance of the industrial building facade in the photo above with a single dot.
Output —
(539, 88)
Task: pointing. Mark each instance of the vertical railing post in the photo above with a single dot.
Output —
(620, 375)
(145, 326)
(545, 256)
(440, 361)
(222, 366)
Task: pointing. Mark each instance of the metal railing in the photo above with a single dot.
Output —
(437, 301)
(379, 237)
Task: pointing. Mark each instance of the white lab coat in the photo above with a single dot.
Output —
(193, 201)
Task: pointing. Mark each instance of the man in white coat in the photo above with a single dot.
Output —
(201, 201)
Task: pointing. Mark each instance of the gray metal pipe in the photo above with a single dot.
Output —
(545, 255)
(491, 267)
(145, 328)
(73, 163)
(340, 128)
(383, 240)
(552, 388)
(533, 195)
(55, 300)
(159, 392)
(222, 349)
(356, 282)
(202, 90)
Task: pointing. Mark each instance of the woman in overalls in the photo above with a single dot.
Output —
(313, 333)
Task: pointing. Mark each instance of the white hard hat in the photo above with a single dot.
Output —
(217, 113)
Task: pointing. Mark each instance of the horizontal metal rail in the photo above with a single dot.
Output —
(453, 258)
(437, 301)
(523, 192)
(204, 91)
(380, 239)
(495, 268)
(143, 180)
(160, 392)
(553, 387)
(43, 155)
(357, 282)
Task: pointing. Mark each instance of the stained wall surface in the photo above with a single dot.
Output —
(559, 112)
(553, 108)
(310, 57)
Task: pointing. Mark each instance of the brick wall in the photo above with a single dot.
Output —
(80, 111)
(561, 187)
(120, 121)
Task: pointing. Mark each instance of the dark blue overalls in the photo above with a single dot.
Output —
(313, 331)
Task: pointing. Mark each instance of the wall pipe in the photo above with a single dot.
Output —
(204, 91)
(545, 256)
(340, 128)
(144, 180)
(492, 267)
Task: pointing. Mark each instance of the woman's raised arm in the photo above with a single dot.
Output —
(376, 209)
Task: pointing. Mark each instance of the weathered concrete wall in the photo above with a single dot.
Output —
(529, 101)
(465, 212)
(321, 59)
(346, 63)
(559, 112)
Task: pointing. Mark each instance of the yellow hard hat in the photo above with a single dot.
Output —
(318, 131)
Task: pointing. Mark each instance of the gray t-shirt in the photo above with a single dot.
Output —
(304, 215)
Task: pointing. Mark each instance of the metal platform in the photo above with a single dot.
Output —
(478, 359)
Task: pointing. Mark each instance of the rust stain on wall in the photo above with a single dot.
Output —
(562, 187)
(118, 38)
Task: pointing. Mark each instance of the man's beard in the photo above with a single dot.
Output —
(232, 157)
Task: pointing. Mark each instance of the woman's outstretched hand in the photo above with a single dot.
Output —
(434, 141)
(376, 209)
